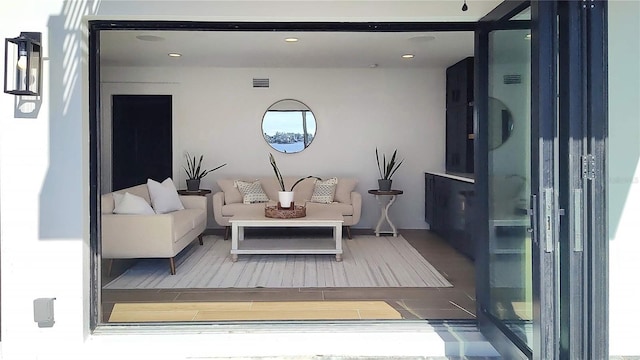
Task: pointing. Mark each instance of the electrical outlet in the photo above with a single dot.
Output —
(43, 312)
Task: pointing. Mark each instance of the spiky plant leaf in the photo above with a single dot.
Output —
(194, 168)
(387, 169)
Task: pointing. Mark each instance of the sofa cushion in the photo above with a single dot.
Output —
(252, 192)
(271, 187)
(182, 222)
(324, 191)
(343, 209)
(301, 193)
(231, 193)
(107, 201)
(237, 209)
(164, 196)
(130, 204)
(199, 216)
(343, 190)
(141, 190)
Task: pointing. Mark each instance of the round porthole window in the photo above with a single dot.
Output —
(288, 126)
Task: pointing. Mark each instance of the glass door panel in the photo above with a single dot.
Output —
(541, 116)
(509, 170)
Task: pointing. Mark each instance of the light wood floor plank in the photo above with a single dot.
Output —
(259, 310)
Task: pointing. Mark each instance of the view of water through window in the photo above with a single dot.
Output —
(289, 131)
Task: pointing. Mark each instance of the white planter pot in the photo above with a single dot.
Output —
(285, 198)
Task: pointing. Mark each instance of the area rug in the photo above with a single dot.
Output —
(368, 261)
(253, 310)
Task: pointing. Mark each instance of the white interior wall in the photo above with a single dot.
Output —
(218, 113)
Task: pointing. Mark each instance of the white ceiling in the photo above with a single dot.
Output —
(268, 49)
(315, 49)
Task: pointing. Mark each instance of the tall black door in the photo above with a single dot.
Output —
(141, 139)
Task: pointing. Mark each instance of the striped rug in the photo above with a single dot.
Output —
(368, 261)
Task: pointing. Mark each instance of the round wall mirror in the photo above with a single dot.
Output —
(500, 123)
(289, 126)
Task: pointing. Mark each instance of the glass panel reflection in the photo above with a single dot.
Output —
(509, 181)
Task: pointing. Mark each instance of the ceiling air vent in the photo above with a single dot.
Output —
(260, 83)
(512, 79)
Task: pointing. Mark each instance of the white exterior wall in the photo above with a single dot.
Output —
(624, 175)
(44, 191)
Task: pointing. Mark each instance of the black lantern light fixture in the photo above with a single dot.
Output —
(23, 64)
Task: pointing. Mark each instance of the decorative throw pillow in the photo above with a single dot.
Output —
(130, 204)
(164, 196)
(324, 191)
(344, 189)
(252, 192)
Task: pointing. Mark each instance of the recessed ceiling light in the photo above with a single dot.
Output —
(291, 39)
(408, 56)
(422, 38)
(174, 54)
(149, 38)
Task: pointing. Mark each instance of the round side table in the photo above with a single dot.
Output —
(384, 209)
(200, 192)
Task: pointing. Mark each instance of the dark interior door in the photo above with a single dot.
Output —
(141, 139)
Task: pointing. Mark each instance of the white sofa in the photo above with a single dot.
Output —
(228, 202)
(151, 236)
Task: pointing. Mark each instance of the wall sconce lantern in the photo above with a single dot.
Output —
(23, 64)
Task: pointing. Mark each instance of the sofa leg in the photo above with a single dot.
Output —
(200, 239)
(226, 232)
(172, 266)
(348, 231)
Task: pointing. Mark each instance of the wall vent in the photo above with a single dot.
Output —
(512, 79)
(260, 83)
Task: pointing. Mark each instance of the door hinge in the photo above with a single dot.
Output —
(588, 167)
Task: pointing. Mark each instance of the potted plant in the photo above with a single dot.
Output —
(387, 169)
(195, 172)
(285, 198)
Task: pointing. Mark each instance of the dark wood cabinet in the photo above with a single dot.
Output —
(448, 211)
(459, 117)
(429, 198)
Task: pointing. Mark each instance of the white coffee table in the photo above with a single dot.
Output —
(240, 245)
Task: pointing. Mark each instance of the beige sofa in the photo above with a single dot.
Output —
(151, 236)
(228, 202)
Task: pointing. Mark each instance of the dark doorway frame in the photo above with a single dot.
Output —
(94, 29)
